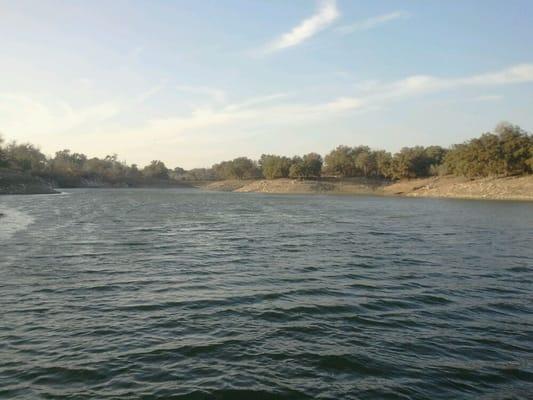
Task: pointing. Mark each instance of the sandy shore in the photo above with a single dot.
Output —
(509, 188)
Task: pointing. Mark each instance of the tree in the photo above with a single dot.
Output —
(364, 161)
(177, 173)
(200, 174)
(133, 174)
(274, 167)
(410, 162)
(508, 151)
(516, 148)
(244, 168)
(155, 170)
(308, 166)
(3, 156)
(435, 154)
(312, 164)
(383, 163)
(26, 157)
(297, 169)
(340, 162)
(239, 168)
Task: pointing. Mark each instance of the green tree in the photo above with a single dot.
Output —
(340, 162)
(308, 166)
(200, 174)
(516, 149)
(508, 151)
(155, 170)
(297, 169)
(177, 173)
(3, 156)
(244, 168)
(239, 168)
(312, 163)
(410, 162)
(274, 167)
(26, 157)
(364, 161)
(383, 163)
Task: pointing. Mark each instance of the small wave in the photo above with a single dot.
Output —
(236, 394)
(47, 375)
(12, 221)
(355, 364)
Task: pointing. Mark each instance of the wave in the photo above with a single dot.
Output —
(13, 221)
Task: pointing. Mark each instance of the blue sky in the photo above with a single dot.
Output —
(196, 82)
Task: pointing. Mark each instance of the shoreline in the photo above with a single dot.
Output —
(518, 188)
(497, 188)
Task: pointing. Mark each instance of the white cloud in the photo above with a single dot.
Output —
(516, 74)
(91, 128)
(25, 115)
(255, 101)
(343, 104)
(260, 110)
(521, 73)
(326, 14)
(253, 109)
(216, 95)
(151, 92)
(375, 93)
(488, 97)
(372, 22)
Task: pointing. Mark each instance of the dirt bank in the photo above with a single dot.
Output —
(510, 188)
(355, 186)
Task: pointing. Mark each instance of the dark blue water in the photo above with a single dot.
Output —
(169, 294)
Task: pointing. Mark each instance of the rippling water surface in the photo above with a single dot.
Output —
(170, 294)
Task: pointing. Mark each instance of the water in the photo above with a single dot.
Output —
(170, 294)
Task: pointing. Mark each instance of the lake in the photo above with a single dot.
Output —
(180, 293)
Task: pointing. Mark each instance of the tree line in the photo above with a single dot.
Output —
(506, 151)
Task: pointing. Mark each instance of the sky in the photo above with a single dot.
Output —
(194, 82)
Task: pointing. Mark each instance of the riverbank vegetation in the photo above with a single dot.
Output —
(508, 151)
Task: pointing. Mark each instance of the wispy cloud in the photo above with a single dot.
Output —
(488, 97)
(151, 92)
(255, 101)
(327, 13)
(377, 94)
(215, 94)
(24, 114)
(261, 110)
(213, 121)
(372, 22)
(419, 84)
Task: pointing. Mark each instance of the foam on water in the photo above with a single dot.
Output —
(12, 221)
